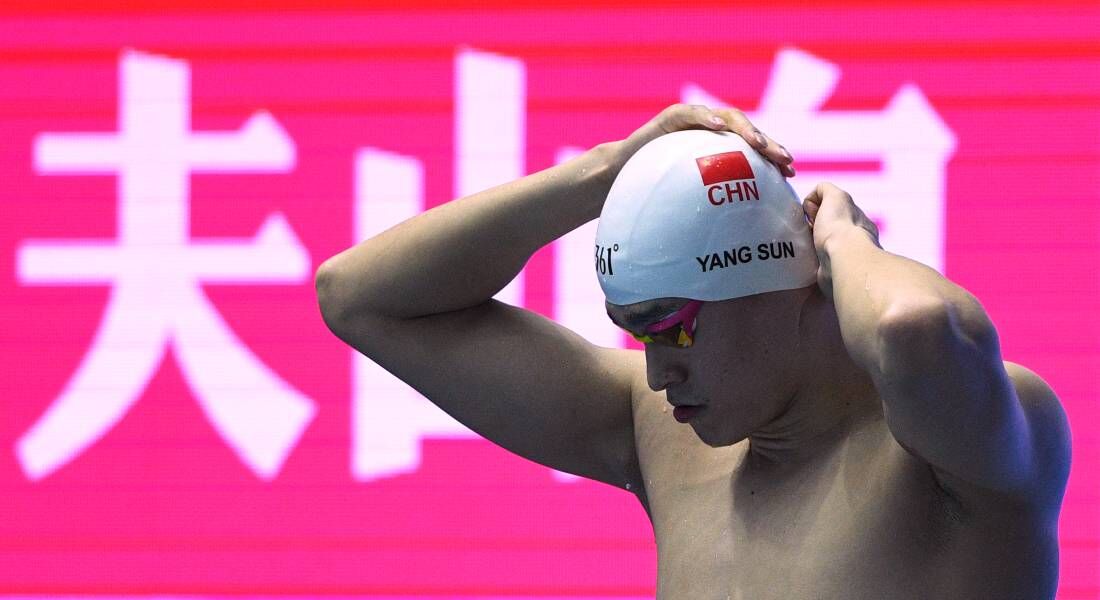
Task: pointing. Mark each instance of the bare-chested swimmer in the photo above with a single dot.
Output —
(852, 431)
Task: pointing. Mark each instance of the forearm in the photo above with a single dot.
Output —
(461, 253)
(872, 286)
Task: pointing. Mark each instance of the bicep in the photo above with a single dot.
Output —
(519, 379)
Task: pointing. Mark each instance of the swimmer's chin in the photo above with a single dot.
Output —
(716, 443)
(715, 435)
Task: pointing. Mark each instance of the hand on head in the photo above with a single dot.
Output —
(829, 210)
(679, 117)
(832, 211)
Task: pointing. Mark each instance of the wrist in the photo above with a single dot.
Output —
(596, 171)
(847, 237)
(609, 160)
(614, 154)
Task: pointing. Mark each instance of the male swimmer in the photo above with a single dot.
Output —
(843, 425)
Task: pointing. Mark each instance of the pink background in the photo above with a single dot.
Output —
(161, 505)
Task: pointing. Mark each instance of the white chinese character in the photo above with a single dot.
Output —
(907, 138)
(389, 418)
(156, 269)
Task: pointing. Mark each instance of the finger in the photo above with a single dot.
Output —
(711, 118)
(772, 150)
(810, 209)
(826, 189)
(811, 204)
(821, 192)
(813, 197)
(738, 123)
(688, 116)
(691, 116)
(777, 153)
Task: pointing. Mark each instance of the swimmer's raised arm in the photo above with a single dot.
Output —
(417, 299)
(986, 430)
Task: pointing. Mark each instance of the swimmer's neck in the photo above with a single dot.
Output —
(834, 397)
(805, 432)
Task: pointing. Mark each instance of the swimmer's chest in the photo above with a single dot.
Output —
(865, 521)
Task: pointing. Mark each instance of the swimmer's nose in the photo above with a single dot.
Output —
(660, 374)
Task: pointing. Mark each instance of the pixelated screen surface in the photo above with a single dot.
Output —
(177, 418)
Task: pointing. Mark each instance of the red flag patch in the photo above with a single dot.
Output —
(724, 167)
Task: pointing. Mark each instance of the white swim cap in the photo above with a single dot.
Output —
(699, 214)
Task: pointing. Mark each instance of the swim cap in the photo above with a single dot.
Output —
(699, 214)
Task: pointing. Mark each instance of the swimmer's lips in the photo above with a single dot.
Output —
(686, 413)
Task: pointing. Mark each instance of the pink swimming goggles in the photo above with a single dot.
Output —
(677, 329)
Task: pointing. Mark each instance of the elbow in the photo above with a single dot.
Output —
(331, 307)
(910, 336)
(921, 334)
(913, 318)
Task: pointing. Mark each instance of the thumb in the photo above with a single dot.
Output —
(811, 209)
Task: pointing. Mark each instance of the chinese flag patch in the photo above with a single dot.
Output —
(724, 167)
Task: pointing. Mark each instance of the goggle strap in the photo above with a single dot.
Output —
(686, 314)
